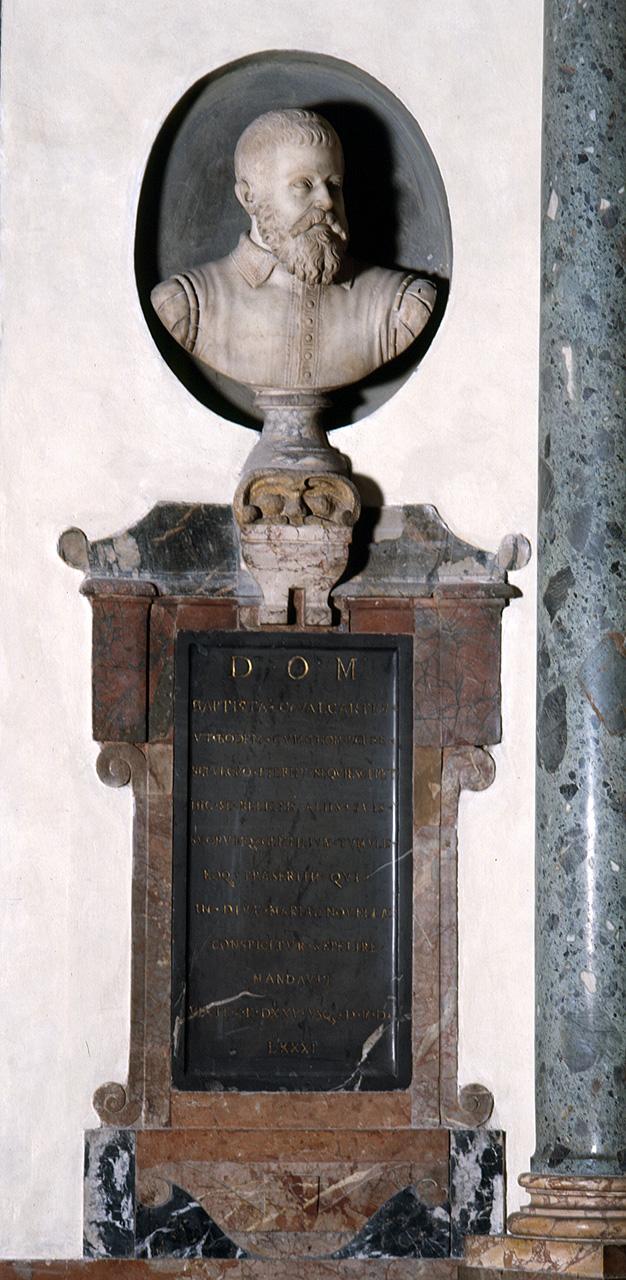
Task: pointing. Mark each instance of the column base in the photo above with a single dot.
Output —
(573, 1226)
(572, 1208)
(494, 1256)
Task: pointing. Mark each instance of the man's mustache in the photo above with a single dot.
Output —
(316, 217)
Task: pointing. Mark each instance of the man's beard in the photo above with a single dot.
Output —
(312, 249)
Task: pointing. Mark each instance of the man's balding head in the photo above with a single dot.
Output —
(276, 129)
(289, 170)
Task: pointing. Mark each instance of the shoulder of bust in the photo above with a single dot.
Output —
(182, 301)
(412, 309)
(403, 303)
(176, 304)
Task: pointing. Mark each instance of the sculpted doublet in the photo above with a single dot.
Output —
(248, 317)
(287, 311)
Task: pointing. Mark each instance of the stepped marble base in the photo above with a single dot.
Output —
(573, 1226)
(572, 1208)
(290, 1196)
(514, 1255)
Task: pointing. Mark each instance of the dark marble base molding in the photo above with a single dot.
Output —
(477, 1185)
(181, 1228)
(170, 1194)
(233, 1269)
(405, 1227)
(109, 1194)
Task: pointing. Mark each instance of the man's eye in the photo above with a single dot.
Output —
(336, 184)
(302, 184)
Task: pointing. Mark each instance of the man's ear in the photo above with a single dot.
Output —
(243, 192)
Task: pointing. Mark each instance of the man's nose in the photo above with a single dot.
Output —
(323, 197)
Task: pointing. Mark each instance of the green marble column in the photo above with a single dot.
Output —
(581, 845)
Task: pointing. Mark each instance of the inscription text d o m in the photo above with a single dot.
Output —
(241, 666)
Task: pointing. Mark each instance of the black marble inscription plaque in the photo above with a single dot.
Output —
(292, 861)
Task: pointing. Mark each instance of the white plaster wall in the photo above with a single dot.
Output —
(97, 429)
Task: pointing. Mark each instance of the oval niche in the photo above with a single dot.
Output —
(188, 212)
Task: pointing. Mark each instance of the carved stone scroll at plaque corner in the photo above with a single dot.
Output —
(116, 1104)
(295, 533)
(73, 548)
(473, 769)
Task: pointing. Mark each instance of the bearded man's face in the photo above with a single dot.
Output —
(300, 213)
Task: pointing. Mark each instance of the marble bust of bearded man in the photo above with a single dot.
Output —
(288, 309)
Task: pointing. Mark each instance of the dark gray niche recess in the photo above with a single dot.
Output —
(188, 213)
(292, 861)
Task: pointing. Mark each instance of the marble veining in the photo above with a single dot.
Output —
(181, 1228)
(411, 551)
(183, 548)
(477, 1193)
(192, 549)
(404, 1227)
(109, 1194)
(516, 1256)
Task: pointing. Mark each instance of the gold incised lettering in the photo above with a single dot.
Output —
(272, 772)
(217, 909)
(300, 672)
(291, 1048)
(220, 876)
(348, 773)
(347, 806)
(241, 840)
(358, 913)
(234, 670)
(291, 979)
(358, 946)
(292, 827)
(285, 875)
(251, 738)
(275, 773)
(212, 806)
(341, 878)
(260, 707)
(291, 1013)
(293, 910)
(267, 806)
